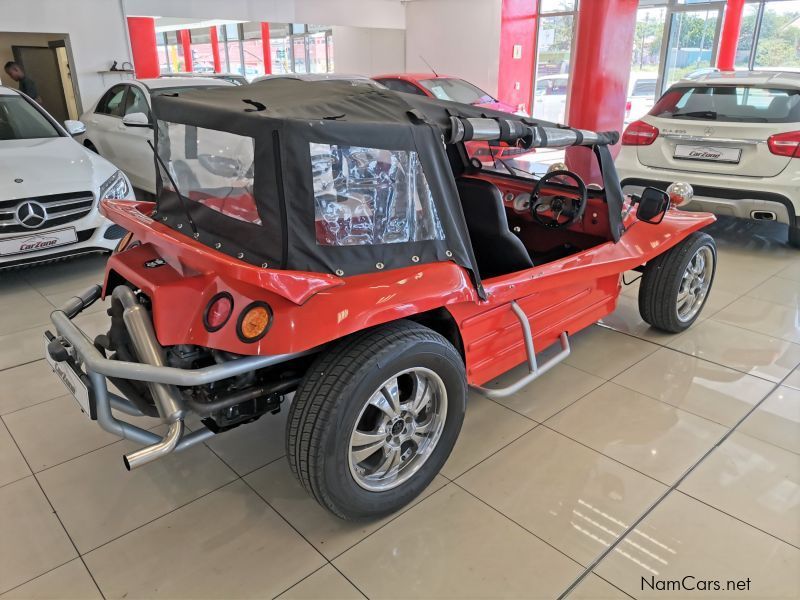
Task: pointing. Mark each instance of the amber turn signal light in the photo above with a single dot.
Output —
(254, 322)
(123, 243)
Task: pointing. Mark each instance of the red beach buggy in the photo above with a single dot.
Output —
(337, 243)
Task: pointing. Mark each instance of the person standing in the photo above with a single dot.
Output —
(26, 84)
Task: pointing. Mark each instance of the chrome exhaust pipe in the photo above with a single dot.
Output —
(151, 453)
(167, 397)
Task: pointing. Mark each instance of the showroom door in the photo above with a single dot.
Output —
(691, 39)
(41, 65)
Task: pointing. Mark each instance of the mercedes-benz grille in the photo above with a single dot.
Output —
(42, 212)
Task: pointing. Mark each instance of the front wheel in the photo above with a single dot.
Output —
(375, 419)
(675, 285)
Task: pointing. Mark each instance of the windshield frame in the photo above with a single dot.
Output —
(47, 117)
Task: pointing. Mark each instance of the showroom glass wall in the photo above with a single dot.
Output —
(673, 39)
(294, 48)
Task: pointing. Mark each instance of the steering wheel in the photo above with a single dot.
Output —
(564, 209)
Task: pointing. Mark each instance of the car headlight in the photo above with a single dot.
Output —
(115, 187)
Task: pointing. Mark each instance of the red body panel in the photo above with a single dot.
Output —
(564, 295)
(311, 309)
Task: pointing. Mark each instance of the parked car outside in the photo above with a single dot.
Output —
(50, 187)
(119, 125)
(641, 95)
(368, 267)
(550, 98)
(734, 136)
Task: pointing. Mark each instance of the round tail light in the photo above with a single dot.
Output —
(218, 311)
(680, 193)
(254, 322)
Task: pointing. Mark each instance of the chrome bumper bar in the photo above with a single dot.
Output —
(160, 378)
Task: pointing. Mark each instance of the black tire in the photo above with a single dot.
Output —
(90, 146)
(661, 282)
(330, 400)
(794, 236)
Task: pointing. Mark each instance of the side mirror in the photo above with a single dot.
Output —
(137, 119)
(74, 127)
(653, 206)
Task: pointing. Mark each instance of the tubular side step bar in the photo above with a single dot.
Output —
(535, 370)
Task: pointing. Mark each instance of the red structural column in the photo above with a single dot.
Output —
(517, 53)
(266, 46)
(142, 31)
(729, 38)
(601, 66)
(185, 38)
(214, 35)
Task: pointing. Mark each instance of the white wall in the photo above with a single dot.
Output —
(96, 30)
(368, 51)
(356, 13)
(457, 37)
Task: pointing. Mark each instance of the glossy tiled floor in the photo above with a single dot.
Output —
(645, 458)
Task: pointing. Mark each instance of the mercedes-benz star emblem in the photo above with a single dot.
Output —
(708, 130)
(19, 180)
(31, 214)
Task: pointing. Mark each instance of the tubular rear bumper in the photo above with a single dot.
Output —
(72, 348)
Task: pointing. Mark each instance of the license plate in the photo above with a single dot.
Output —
(33, 242)
(71, 380)
(708, 153)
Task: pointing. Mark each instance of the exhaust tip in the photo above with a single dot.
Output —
(763, 215)
(127, 464)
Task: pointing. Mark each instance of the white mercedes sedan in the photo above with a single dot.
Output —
(119, 125)
(50, 187)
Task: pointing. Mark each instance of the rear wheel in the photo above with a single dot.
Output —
(375, 419)
(675, 285)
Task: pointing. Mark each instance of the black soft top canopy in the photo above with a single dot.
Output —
(377, 138)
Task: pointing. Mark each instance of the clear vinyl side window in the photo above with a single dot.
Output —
(369, 196)
(210, 167)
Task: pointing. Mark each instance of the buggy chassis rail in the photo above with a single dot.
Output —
(161, 379)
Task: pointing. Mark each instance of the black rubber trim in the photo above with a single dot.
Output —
(211, 302)
(715, 192)
(247, 309)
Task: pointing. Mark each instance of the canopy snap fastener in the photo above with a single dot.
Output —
(379, 265)
(415, 259)
(217, 245)
(448, 254)
(264, 265)
(339, 272)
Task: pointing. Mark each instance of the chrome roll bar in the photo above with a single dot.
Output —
(525, 134)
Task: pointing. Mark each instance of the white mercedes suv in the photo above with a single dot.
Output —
(735, 136)
(50, 187)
